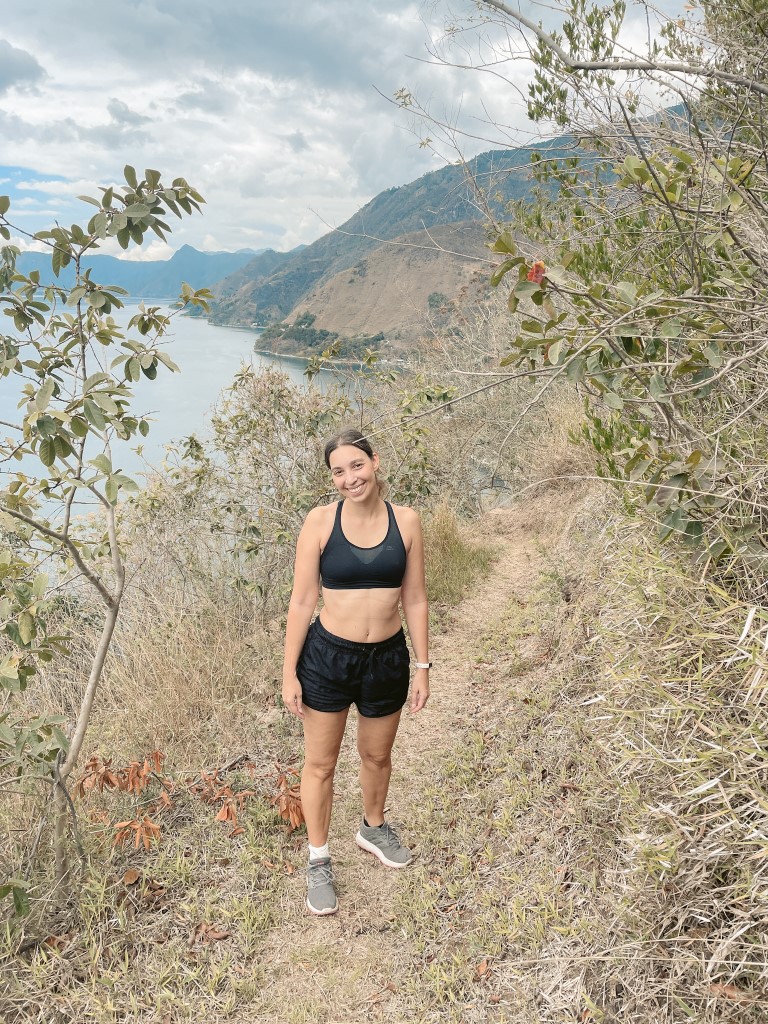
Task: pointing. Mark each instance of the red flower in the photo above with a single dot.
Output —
(537, 272)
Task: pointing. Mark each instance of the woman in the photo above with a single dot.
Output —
(367, 556)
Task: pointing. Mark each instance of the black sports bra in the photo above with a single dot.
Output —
(345, 566)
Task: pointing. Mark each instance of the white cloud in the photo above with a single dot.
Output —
(274, 118)
(156, 250)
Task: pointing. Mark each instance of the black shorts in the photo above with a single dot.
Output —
(335, 673)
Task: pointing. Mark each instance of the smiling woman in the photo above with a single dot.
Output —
(367, 557)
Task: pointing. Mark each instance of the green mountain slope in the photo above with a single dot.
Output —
(445, 196)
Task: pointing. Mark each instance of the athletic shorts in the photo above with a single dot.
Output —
(335, 673)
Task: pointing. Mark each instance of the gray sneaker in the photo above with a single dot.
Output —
(383, 842)
(321, 896)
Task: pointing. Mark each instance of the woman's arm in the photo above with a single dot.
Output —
(306, 590)
(413, 598)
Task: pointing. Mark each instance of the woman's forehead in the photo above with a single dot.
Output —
(345, 454)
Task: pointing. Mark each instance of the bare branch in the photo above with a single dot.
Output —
(611, 64)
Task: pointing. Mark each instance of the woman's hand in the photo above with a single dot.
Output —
(419, 690)
(292, 696)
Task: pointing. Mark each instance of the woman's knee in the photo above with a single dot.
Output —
(320, 770)
(377, 759)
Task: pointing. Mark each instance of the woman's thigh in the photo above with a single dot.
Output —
(375, 736)
(323, 733)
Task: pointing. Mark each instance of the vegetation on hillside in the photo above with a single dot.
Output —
(303, 338)
(644, 284)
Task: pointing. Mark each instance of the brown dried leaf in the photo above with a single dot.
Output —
(481, 970)
(131, 876)
(739, 995)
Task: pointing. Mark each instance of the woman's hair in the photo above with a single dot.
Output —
(353, 436)
(348, 436)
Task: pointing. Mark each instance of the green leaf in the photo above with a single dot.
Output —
(110, 489)
(93, 380)
(675, 521)
(575, 367)
(694, 532)
(612, 400)
(26, 626)
(93, 414)
(671, 329)
(628, 292)
(62, 446)
(166, 359)
(130, 176)
(150, 371)
(106, 403)
(553, 353)
(5, 205)
(47, 451)
(102, 463)
(143, 428)
(505, 243)
(44, 395)
(658, 388)
(20, 901)
(526, 289)
(133, 369)
(502, 270)
(78, 426)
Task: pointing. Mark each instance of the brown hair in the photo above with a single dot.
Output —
(348, 436)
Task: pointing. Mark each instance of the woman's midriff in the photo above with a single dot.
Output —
(365, 616)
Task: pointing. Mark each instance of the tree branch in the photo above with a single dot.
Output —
(613, 64)
(77, 558)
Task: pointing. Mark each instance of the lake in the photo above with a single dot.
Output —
(208, 357)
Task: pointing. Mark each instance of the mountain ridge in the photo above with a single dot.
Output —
(160, 279)
(262, 292)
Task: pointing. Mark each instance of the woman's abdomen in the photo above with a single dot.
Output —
(365, 616)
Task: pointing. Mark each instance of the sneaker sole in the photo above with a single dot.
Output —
(372, 848)
(322, 913)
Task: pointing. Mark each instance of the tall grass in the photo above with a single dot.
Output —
(453, 562)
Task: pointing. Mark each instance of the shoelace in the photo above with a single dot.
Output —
(390, 836)
(320, 874)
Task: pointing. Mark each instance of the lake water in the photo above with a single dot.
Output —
(208, 357)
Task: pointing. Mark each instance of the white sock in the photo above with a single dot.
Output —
(319, 852)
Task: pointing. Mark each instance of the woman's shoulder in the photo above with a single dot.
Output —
(406, 516)
(318, 516)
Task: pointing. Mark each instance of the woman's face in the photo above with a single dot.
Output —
(353, 472)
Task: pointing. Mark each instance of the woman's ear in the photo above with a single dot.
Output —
(375, 460)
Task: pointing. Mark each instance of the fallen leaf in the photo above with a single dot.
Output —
(481, 970)
(739, 995)
(131, 876)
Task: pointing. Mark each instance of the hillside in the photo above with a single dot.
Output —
(440, 197)
(156, 278)
(394, 288)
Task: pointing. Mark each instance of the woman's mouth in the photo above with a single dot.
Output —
(357, 489)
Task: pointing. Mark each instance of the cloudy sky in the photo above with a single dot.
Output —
(276, 112)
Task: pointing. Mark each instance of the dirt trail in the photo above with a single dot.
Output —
(337, 964)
